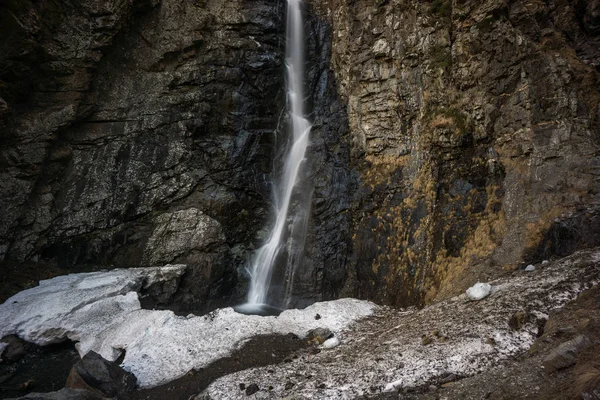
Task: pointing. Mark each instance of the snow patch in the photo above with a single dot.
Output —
(331, 343)
(64, 307)
(101, 311)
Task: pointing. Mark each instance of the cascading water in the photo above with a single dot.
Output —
(264, 260)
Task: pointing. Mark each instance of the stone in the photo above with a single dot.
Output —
(14, 349)
(529, 268)
(319, 335)
(381, 47)
(181, 232)
(479, 291)
(517, 320)
(64, 394)
(426, 340)
(566, 353)
(94, 373)
(251, 389)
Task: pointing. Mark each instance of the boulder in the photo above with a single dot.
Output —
(95, 374)
(14, 348)
(565, 355)
(319, 335)
(479, 291)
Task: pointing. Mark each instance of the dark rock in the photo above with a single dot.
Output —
(242, 386)
(426, 340)
(517, 320)
(89, 173)
(64, 394)
(565, 355)
(318, 335)
(16, 348)
(449, 378)
(253, 388)
(289, 385)
(95, 374)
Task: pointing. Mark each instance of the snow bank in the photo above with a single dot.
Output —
(161, 346)
(102, 312)
(67, 307)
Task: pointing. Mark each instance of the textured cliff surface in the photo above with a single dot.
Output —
(118, 113)
(475, 129)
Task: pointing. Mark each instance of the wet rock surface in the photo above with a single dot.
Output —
(115, 114)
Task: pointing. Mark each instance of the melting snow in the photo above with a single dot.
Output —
(102, 312)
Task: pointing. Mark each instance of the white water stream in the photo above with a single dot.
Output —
(264, 259)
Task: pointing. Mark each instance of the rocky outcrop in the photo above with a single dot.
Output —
(475, 132)
(190, 237)
(117, 112)
(97, 375)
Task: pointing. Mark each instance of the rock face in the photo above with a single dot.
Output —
(96, 374)
(117, 112)
(474, 128)
(451, 140)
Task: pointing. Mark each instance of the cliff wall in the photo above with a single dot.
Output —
(475, 128)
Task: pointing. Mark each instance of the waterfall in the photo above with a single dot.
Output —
(264, 259)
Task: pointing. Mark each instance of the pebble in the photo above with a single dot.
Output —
(530, 268)
(250, 390)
